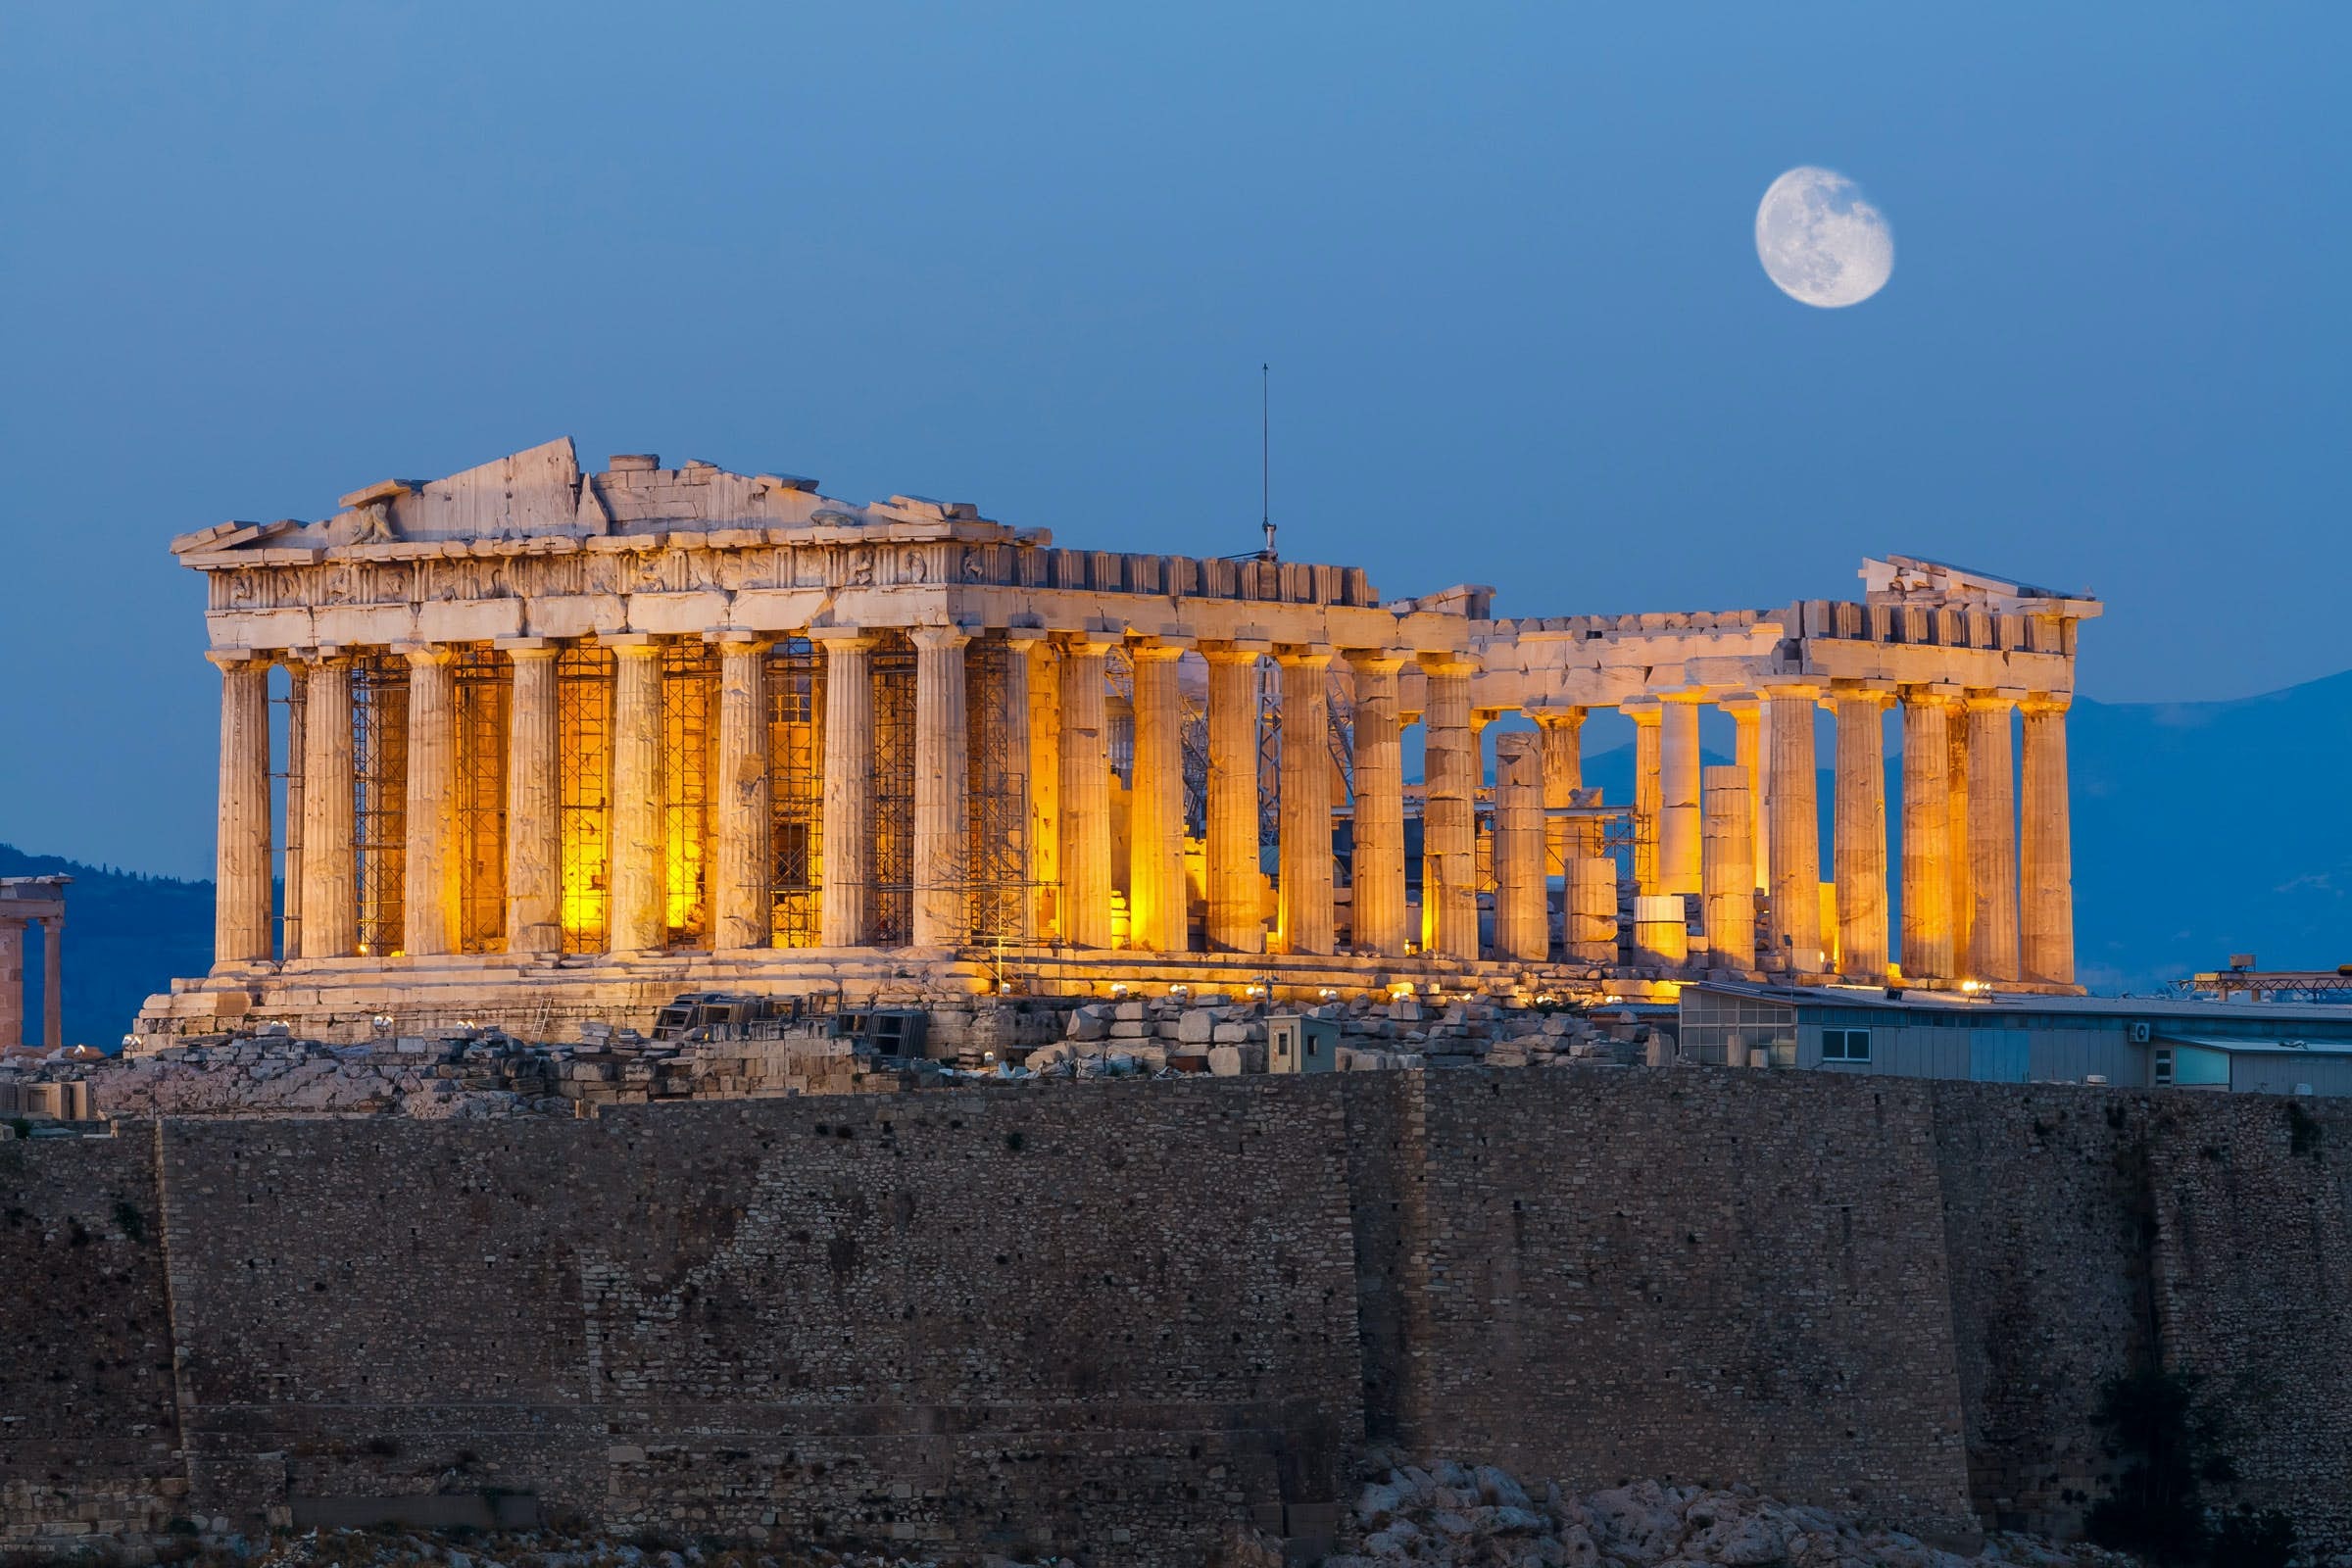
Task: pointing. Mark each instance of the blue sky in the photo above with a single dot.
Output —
(1499, 258)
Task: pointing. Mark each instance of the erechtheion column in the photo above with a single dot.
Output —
(848, 784)
(1927, 952)
(1236, 916)
(1728, 872)
(1795, 831)
(1748, 755)
(1564, 839)
(1861, 831)
(1449, 825)
(534, 801)
(1086, 874)
(2047, 914)
(330, 899)
(1045, 783)
(1522, 927)
(1992, 839)
(942, 769)
(1678, 794)
(1158, 909)
(429, 887)
(241, 851)
(740, 826)
(640, 916)
(1647, 714)
(1305, 823)
(1376, 873)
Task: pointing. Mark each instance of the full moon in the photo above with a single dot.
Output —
(1820, 241)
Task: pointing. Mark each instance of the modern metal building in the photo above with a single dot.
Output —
(2131, 1042)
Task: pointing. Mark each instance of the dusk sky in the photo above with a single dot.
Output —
(1501, 260)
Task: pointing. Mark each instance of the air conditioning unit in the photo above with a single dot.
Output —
(2142, 1032)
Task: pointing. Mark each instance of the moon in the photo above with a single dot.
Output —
(1820, 241)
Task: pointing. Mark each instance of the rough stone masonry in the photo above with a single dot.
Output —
(1112, 1320)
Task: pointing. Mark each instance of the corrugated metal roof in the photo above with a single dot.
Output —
(2288, 1047)
(2290, 1017)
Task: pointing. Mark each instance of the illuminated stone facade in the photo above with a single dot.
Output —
(564, 743)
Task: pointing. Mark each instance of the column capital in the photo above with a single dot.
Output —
(738, 640)
(1741, 702)
(2046, 703)
(1090, 642)
(1554, 716)
(1377, 661)
(1161, 650)
(527, 647)
(938, 639)
(849, 639)
(1798, 691)
(1643, 709)
(1998, 699)
(1694, 695)
(422, 654)
(1027, 639)
(1878, 694)
(1448, 661)
(228, 658)
(1317, 656)
(1236, 651)
(1937, 692)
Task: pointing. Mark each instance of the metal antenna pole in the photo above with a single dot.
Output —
(1265, 454)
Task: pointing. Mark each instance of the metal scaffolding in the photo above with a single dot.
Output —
(891, 910)
(796, 769)
(689, 748)
(380, 771)
(584, 676)
(485, 687)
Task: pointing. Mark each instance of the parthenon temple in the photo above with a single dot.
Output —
(528, 744)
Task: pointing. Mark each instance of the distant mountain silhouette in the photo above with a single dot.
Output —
(2201, 829)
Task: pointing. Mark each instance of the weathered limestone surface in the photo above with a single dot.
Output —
(1796, 832)
(942, 763)
(1678, 795)
(534, 805)
(849, 786)
(330, 913)
(1928, 946)
(1449, 831)
(1861, 833)
(1377, 891)
(2047, 953)
(1159, 907)
(740, 807)
(639, 917)
(1305, 836)
(1522, 932)
(1236, 916)
(1086, 871)
(1992, 951)
(1647, 715)
(1729, 869)
(241, 906)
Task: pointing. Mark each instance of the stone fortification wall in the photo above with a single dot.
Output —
(1109, 1318)
(2094, 1231)
(1700, 1276)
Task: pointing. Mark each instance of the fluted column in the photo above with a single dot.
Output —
(638, 878)
(1236, 914)
(1647, 714)
(1045, 785)
(1375, 871)
(242, 849)
(2049, 901)
(1157, 906)
(430, 865)
(12, 983)
(53, 984)
(1861, 832)
(1927, 952)
(1086, 880)
(291, 874)
(1748, 755)
(1678, 795)
(534, 801)
(1795, 831)
(1564, 839)
(740, 816)
(1992, 839)
(1521, 930)
(1449, 825)
(1963, 897)
(1727, 834)
(943, 916)
(1306, 843)
(331, 892)
(848, 838)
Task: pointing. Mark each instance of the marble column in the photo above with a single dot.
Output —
(2047, 913)
(1645, 712)
(1235, 913)
(291, 873)
(1449, 825)
(638, 874)
(241, 873)
(430, 859)
(1795, 831)
(1522, 928)
(1927, 952)
(1376, 873)
(534, 801)
(1992, 839)
(1564, 839)
(1045, 786)
(1158, 909)
(330, 892)
(1963, 897)
(1861, 832)
(742, 918)
(53, 983)
(1305, 822)
(12, 983)
(1086, 840)
(1727, 834)
(943, 910)
(1748, 755)
(848, 812)
(1678, 795)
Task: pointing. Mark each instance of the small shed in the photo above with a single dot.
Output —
(1301, 1043)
